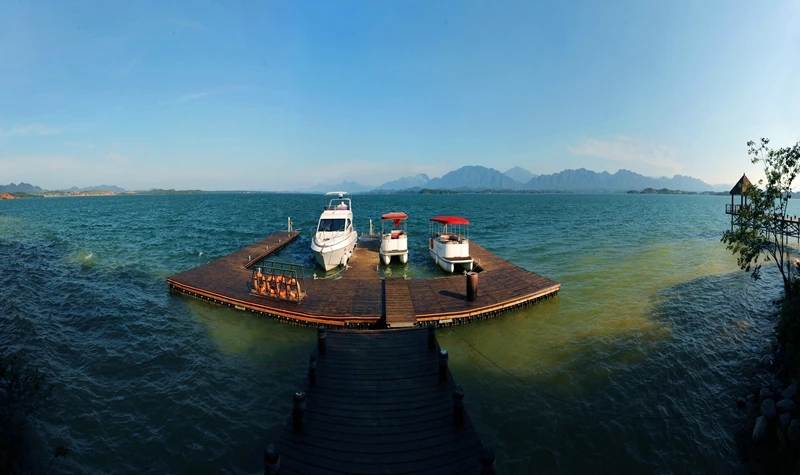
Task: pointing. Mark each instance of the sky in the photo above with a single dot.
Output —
(284, 95)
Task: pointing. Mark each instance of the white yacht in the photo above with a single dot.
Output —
(336, 235)
(449, 243)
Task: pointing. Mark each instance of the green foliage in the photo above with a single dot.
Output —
(789, 329)
(760, 235)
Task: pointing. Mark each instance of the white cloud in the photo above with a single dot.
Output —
(79, 144)
(117, 158)
(628, 149)
(191, 97)
(29, 129)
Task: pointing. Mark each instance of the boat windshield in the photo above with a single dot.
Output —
(331, 225)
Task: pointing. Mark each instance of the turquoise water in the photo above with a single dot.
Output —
(632, 368)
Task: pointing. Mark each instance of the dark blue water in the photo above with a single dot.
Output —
(633, 367)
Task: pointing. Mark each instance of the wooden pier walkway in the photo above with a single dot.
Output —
(360, 298)
(379, 402)
(397, 303)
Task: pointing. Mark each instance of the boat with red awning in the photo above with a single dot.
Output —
(394, 237)
(449, 243)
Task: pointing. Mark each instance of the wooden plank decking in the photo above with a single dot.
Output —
(358, 299)
(398, 307)
(376, 405)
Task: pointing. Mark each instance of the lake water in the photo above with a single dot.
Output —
(631, 369)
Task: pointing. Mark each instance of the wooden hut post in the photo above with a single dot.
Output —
(321, 336)
(458, 407)
(443, 357)
(431, 336)
(272, 460)
(298, 409)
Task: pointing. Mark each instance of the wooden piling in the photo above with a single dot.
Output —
(443, 371)
(298, 409)
(458, 407)
(321, 336)
(272, 460)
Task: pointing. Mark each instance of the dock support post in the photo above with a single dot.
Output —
(312, 373)
(298, 408)
(321, 336)
(487, 461)
(431, 337)
(458, 407)
(443, 357)
(272, 460)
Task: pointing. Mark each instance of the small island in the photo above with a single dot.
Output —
(665, 191)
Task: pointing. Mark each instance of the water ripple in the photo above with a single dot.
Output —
(653, 320)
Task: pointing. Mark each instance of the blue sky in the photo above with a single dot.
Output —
(284, 95)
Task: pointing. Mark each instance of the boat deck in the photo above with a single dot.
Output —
(361, 298)
(378, 403)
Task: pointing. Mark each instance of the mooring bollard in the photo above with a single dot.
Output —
(272, 460)
(312, 373)
(458, 406)
(472, 286)
(431, 336)
(321, 336)
(443, 356)
(298, 408)
(487, 461)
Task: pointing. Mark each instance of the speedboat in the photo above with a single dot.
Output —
(394, 237)
(449, 243)
(336, 237)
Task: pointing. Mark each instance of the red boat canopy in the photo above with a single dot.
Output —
(394, 215)
(450, 220)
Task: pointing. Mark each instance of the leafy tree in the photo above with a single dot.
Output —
(762, 223)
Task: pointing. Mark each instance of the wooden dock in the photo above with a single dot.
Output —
(361, 298)
(379, 401)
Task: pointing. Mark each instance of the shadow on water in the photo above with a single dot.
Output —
(659, 398)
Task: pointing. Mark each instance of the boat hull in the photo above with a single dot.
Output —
(330, 254)
(394, 245)
(448, 253)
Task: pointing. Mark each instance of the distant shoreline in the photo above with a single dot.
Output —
(61, 194)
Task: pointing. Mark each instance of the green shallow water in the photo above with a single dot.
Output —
(633, 367)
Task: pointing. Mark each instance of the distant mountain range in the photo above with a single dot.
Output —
(478, 178)
(623, 180)
(28, 188)
(21, 188)
(97, 188)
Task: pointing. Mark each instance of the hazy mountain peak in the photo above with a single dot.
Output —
(405, 183)
(474, 177)
(519, 174)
